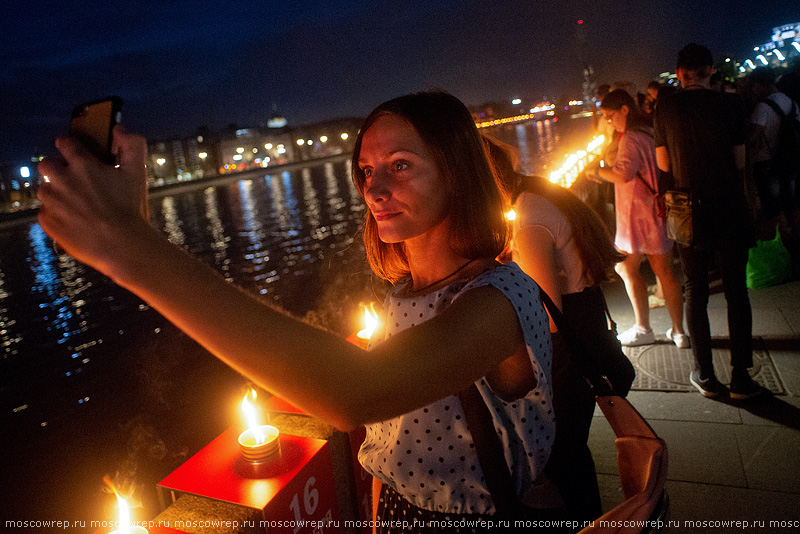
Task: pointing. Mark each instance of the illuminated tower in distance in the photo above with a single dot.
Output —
(589, 85)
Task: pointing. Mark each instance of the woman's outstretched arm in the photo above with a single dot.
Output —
(94, 212)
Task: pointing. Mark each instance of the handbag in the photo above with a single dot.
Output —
(641, 454)
(600, 343)
(679, 217)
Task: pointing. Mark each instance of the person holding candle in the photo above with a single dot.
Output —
(455, 318)
(641, 231)
(564, 246)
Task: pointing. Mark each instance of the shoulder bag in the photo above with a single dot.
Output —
(679, 217)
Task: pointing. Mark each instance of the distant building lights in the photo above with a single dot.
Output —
(323, 139)
(727, 60)
(301, 142)
(796, 46)
(240, 150)
(202, 155)
(281, 149)
(199, 138)
(517, 101)
(255, 151)
(268, 146)
(161, 161)
(309, 142)
(345, 136)
(25, 172)
(762, 59)
(742, 69)
(750, 64)
(237, 157)
(780, 56)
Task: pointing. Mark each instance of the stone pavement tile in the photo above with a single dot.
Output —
(770, 457)
(769, 322)
(771, 410)
(787, 364)
(680, 406)
(776, 296)
(792, 317)
(691, 502)
(698, 452)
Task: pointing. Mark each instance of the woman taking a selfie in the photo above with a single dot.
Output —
(454, 318)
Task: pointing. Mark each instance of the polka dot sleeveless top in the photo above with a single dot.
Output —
(427, 455)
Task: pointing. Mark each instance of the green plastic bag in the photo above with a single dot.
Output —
(768, 264)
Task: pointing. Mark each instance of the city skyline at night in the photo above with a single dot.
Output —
(181, 66)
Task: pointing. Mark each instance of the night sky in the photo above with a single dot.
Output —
(181, 65)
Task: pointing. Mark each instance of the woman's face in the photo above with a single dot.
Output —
(403, 188)
(616, 117)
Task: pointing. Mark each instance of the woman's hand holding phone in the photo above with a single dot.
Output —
(88, 206)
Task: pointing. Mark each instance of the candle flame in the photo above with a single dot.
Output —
(250, 415)
(511, 214)
(124, 510)
(370, 321)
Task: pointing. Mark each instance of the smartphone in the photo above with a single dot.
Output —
(92, 123)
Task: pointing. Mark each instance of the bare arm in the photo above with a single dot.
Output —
(662, 158)
(94, 211)
(610, 175)
(536, 256)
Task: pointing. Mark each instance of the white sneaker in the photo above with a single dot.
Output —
(681, 340)
(635, 336)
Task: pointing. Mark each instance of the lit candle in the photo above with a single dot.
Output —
(259, 443)
(124, 522)
(370, 321)
(361, 338)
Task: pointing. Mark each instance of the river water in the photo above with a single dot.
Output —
(94, 382)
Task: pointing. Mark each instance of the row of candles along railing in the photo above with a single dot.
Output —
(260, 444)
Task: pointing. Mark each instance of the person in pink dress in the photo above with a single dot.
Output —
(641, 231)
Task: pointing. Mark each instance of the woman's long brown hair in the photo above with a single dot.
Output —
(592, 237)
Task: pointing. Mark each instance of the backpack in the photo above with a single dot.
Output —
(786, 153)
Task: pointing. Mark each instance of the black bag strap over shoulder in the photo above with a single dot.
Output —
(599, 383)
(490, 453)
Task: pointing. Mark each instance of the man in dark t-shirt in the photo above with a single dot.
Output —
(699, 137)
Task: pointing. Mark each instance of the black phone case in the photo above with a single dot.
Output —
(92, 123)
